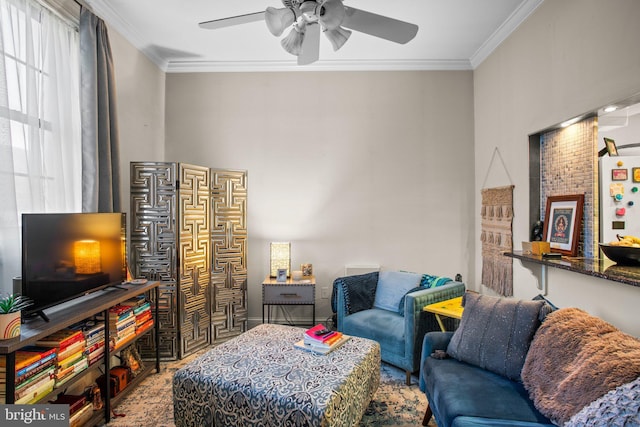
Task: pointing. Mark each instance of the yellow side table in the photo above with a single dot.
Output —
(448, 308)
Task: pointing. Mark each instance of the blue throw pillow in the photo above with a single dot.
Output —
(392, 287)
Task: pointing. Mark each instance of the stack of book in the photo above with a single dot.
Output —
(122, 325)
(93, 332)
(142, 312)
(95, 342)
(319, 339)
(70, 346)
(80, 410)
(34, 374)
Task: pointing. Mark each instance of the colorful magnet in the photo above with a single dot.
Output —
(621, 211)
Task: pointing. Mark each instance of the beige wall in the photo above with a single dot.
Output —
(140, 88)
(569, 57)
(377, 167)
(350, 167)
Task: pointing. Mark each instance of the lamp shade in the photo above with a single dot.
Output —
(337, 37)
(331, 14)
(292, 42)
(87, 256)
(279, 19)
(280, 257)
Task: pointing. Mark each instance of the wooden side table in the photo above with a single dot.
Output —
(448, 308)
(291, 292)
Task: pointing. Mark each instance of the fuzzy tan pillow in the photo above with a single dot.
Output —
(574, 359)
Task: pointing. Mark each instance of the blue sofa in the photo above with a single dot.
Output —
(524, 364)
(387, 307)
(464, 395)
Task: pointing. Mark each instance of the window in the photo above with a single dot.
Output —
(40, 145)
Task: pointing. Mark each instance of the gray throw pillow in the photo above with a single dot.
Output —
(495, 333)
(392, 287)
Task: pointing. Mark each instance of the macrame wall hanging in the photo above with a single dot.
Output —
(497, 236)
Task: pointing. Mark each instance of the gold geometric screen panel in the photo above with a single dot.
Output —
(229, 247)
(194, 249)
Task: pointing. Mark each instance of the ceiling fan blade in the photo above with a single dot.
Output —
(234, 20)
(310, 45)
(379, 26)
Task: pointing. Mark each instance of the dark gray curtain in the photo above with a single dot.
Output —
(100, 139)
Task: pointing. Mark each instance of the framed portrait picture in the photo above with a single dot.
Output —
(563, 221)
(610, 144)
(282, 275)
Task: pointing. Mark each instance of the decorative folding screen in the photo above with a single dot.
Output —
(188, 230)
(496, 238)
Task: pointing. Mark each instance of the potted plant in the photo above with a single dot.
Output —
(11, 306)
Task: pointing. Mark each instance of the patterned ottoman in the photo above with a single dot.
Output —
(260, 379)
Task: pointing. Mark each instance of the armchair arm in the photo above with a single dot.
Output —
(416, 321)
(352, 294)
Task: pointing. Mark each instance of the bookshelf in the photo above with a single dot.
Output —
(64, 315)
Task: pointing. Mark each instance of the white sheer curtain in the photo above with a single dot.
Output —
(40, 145)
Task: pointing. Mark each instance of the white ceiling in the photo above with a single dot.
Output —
(453, 34)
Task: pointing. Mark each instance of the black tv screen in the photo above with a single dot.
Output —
(67, 255)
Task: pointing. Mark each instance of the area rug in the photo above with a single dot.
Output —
(395, 403)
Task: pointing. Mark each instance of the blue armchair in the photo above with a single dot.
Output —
(387, 307)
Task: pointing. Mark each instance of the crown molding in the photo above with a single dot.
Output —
(322, 65)
(504, 31)
(104, 10)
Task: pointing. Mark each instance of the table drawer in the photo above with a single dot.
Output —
(288, 294)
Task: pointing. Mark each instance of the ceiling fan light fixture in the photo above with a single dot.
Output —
(338, 37)
(331, 14)
(279, 19)
(292, 42)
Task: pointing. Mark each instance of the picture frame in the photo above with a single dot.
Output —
(635, 174)
(307, 269)
(563, 223)
(282, 275)
(619, 174)
(610, 144)
(131, 359)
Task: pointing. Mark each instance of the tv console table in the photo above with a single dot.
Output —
(64, 315)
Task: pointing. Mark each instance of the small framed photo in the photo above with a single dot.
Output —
(563, 222)
(307, 269)
(619, 174)
(282, 275)
(131, 358)
(635, 174)
(610, 144)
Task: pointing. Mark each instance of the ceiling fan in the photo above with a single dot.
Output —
(307, 18)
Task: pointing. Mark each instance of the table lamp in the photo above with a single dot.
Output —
(280, 257)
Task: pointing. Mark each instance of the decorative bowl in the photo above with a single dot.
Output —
(622, 255)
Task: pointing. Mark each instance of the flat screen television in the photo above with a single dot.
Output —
(68, 255)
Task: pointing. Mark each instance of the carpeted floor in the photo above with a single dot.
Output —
(395, 403)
